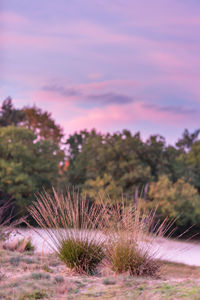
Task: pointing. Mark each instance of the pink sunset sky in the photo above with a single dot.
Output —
(104, 64)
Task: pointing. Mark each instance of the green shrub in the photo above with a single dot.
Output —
(177, 201)
(81, 255)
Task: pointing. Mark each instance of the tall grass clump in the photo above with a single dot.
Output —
(131, 234)
(73, 227)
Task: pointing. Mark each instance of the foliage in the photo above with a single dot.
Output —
(42, 124)
(105, 165)
(26, 165)
(33, 118)
(179, 201)
(9, 115)
(193, 160)
(104, 189)
(114, 155)
(188, 139)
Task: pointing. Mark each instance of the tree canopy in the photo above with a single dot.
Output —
(32, 158)
(26, 165)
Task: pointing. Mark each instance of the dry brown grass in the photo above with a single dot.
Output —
(44, 277)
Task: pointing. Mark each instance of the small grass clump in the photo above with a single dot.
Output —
(25, 245)
(22, 245)
(82, 255)
(15, 260)
(58, 279)
(33, 296)
(125, 257)
(47, 269)
(131, 233)
(109, 281)
(39, 276)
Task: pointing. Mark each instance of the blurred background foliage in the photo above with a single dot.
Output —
(34, 155)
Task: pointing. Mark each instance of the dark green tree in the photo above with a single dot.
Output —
(9, 115)
(26, 165)
(188, 139)
(97, 157)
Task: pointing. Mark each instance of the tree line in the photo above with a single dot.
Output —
(35, 155)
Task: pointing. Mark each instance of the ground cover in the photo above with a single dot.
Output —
(32, 276)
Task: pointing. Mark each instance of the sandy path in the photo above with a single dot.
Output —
(171, 250)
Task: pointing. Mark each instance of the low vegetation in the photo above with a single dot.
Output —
(87, 237)
(26, 281)
(81, 255)
(110, 242)
(20, 245)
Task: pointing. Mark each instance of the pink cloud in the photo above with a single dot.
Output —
(110, 84)
(33, 42)
(11, 18)
(95, 76)
(117, 116)
(111, 117)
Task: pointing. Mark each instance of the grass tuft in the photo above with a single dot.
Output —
(82, 255)
(22, 245)
(131, 233)
(39, 276)
(124, 257)
(33, 296)
(58, 279)
(73, 226)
